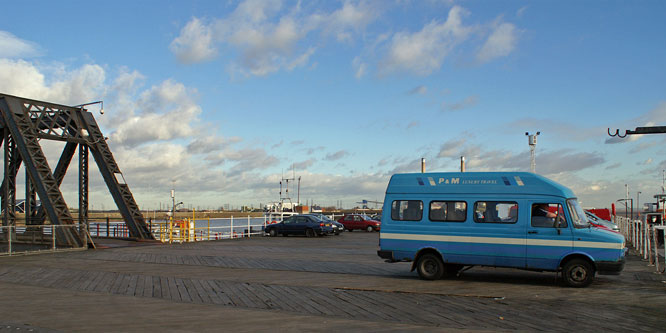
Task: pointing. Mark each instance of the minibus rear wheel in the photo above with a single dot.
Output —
(577, 273)
(430, 267)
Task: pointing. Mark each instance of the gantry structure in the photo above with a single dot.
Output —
(24, 123)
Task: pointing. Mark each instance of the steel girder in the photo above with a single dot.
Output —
(28, 121)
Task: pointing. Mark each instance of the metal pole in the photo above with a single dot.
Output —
(249, 231)
(53, 232)
(423, 165)
(231, 231)
(10, 239)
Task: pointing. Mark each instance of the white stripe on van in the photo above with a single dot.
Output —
(501, 240)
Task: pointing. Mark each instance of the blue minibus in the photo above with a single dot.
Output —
(443, 222)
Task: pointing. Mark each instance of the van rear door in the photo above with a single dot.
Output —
(549, 236)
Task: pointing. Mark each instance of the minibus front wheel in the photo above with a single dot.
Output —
(430, 267)
(578, 273)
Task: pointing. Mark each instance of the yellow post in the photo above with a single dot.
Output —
(171, 230)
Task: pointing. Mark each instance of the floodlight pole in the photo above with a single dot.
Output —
(532, 142)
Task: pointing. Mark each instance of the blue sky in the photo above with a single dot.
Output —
(220, 98)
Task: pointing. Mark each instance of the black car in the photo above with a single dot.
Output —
(337, 226)
(307, 225)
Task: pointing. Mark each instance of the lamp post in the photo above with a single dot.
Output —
(626, 208)
(532, 142)
(638, 203)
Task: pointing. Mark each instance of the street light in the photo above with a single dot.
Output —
(626, 209)
(638, 203)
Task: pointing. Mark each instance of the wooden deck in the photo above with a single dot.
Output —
(305, 284)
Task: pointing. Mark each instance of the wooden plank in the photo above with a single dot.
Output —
(147, 286)
(254, 298)
(192, 291)
(131, 286)
(203, 295)
(173, 289)
(105, 284)
(140, 282)
(273, 298)
(220, 293)
(182, 290)
(157, 287)
(297, 296)
(164, 287)
(210, 293)
(98, 277)
(231, 293)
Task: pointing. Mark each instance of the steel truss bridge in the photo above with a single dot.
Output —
(23, 124)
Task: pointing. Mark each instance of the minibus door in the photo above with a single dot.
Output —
(549, 236)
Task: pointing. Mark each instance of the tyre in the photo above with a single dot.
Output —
(337, 233)
(369, 229)
(310, 233)
(577, 273)
(430, 267)
(350, 230)
(272, 232)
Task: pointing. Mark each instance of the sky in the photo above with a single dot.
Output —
(222, 99)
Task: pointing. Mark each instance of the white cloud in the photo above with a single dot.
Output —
(423, 52)
(267, 37)
(419, 90)
(304, 164)
(73, 87)
(194, 44)
(468, 102)
(336, 156)
(163, 112)
(14, 47)
(501, 42)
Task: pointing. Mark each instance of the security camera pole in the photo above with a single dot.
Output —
(532, 141)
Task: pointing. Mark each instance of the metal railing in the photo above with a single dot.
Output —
(643, 237)
(186, 230)
(30, 239)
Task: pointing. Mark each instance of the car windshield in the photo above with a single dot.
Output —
(577, 214)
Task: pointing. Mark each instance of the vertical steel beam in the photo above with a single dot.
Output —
(83, 186)
(9, 189)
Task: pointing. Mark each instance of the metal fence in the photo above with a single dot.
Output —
(16, 240)
(645, 239)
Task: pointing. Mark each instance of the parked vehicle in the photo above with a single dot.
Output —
(360, 222)
(445, 221)
(598, 222)
(337, 226)
(309, 226)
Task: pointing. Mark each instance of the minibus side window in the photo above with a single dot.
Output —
(448, 211)
(407, 210)
(548, 215)
(495, 212)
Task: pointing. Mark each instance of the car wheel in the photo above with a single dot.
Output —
(273, 233)
(337, 233)
(430, 267)
(369, 229)
(350, 230)
(577, 273)
(310, 233)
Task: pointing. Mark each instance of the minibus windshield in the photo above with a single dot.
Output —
(577, 214)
